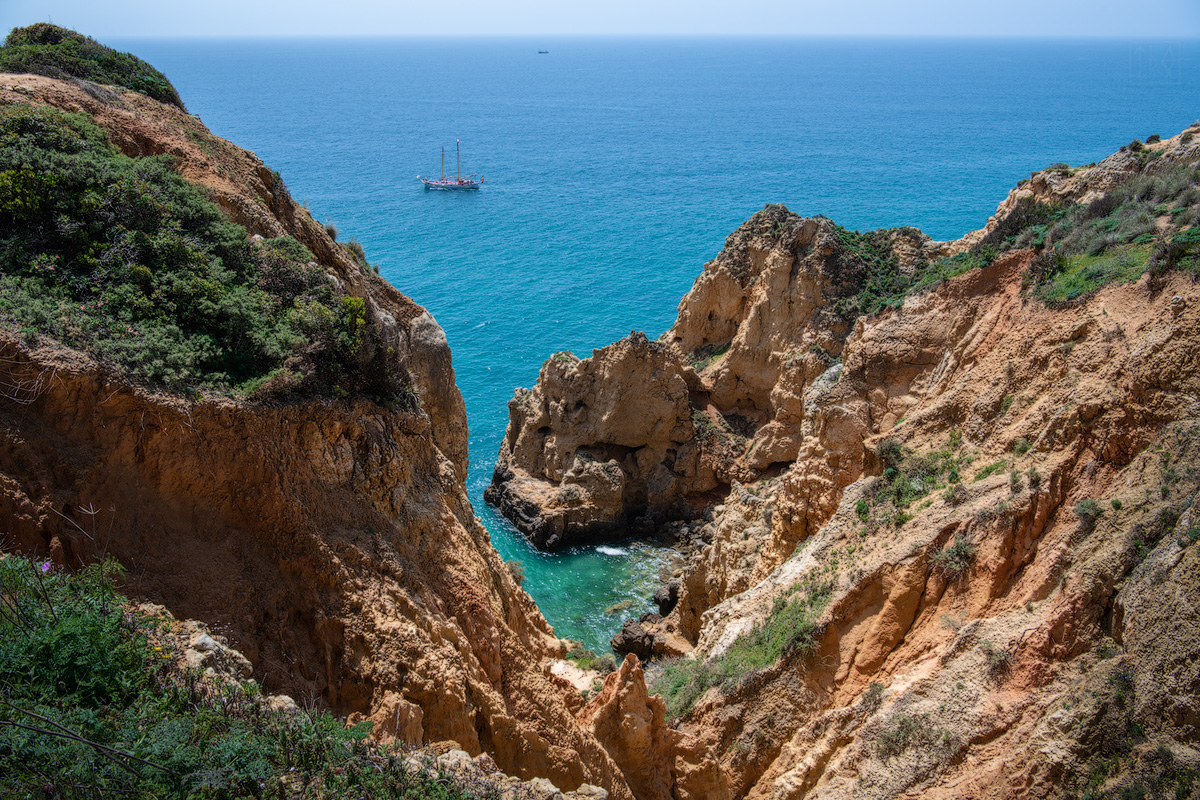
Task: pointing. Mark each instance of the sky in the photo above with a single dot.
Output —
(270, 18)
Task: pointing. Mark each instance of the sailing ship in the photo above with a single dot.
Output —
(459, 183)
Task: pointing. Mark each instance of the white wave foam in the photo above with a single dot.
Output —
(612, 551)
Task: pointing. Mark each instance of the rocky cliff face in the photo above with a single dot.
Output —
(331, 541)
(647, 432)
(926, 522)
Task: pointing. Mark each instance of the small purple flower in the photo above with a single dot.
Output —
(45, 566)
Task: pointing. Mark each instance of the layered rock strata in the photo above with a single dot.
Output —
(329, 541)
(646, 432)
(983, 498)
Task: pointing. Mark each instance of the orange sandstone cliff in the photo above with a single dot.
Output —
(944, 493)
(331, 541)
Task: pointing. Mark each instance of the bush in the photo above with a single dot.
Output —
(790, 628)
(95, 704)
(905, 731)
(46, 49)
(872, 698)
(998, 660)
(954, 559)
(955, 494)
(124, 258)
(990, 470)
(1088, 511)
(586, 659)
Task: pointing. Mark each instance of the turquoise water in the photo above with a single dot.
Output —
(614, 168)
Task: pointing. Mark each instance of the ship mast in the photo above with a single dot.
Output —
(457, 162)
(443, 162)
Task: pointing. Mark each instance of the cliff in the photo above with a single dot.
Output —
(932, 478)
(322, 528)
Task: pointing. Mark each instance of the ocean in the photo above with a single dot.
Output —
(615, 168)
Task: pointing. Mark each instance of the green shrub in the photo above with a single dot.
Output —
(124, 258)
(990, 470)
(1088, 511)
(998, 660)
(954, 559)
(586, 659)
(955, 494)
(1021, 446)
(791, 627)
(872, 698)
(905, 731)
(93, 708)
(56, 52)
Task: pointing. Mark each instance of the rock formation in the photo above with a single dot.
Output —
(659, 763)
(330, 541)
(934, 496)
(942, 525)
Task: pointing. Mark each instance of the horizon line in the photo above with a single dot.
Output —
(1056, 36)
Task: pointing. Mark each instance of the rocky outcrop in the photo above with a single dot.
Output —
(659, 763)
(646, 432)
(329, 541)
(985, 500)
(576, 465)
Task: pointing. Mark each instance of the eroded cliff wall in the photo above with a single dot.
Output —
(929, 480)
(330, 540)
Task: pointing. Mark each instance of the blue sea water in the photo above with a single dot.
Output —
(614, 168)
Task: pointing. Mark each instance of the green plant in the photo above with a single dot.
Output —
(790, 628)
(1021, 446)
(954, 559)
(57, 52)
(1035, 477)
(997, 659)
(1121, 679)
(125, 259)
(989, 470)
(905, 731)
(96, 703)
(955, 494)
(586, 659)
(863, 509)
(706, 354)
(872, 698)
(1088, 511)
(1116, 504)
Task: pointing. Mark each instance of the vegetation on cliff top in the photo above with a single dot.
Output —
(96, 703)
(1148, 221)
(46, 49)
(126, 259)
